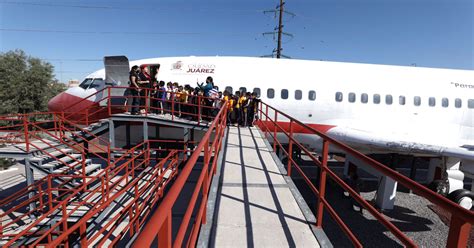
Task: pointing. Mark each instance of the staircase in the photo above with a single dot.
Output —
(108, 203)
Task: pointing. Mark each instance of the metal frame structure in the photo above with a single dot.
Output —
(160, 224)
(134, 173)
(91, 113)
(461, 219)
(57, 199)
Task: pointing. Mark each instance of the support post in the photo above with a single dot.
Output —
(112, 133)
(290, 150)
(83, 235)
(164, 234)
(145, 130)
(386, 193)
(322, 184)
(458, 232)
(186, 138)
(109, 102)
(25, 127)
(347, 164)
(266, 122)
(30, 180)
(205, 192)
(275, 131)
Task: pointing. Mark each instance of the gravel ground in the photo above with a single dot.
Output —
(411, 215)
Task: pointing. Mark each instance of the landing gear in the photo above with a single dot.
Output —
(463, 197)
(440, 186)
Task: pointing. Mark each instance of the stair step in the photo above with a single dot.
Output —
(66, 159)
(64, 168)
(44, 156)
(97, 124)
(92, 167)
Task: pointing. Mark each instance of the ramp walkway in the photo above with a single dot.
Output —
(255, 206)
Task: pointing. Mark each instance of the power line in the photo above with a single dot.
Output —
(121, 8)
(115, 32)
(79, 60)
(64, 5)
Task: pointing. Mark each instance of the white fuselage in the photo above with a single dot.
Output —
(435, 121)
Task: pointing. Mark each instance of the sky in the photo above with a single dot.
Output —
(75, 35)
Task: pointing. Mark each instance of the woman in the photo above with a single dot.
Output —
(144, 83)
(134, 89)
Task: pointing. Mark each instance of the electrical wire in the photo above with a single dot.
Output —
(116, 32)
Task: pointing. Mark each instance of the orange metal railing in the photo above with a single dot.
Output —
(53, 198)
(271, 121)
(160, 223)
(44, 132)
(196, 108)
(137, 176)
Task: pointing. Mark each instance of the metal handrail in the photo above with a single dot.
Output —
(159, 223)
(461, 219)
(107, 198)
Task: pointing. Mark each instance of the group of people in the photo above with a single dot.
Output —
(242, 107)
(203, 101)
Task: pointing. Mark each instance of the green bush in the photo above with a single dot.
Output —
(5, 163)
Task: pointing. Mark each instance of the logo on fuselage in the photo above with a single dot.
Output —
(177, 66)
(201, 68)
(462, 85)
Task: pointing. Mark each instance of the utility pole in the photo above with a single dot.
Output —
(278, 31)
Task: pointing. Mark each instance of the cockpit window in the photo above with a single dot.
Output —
(97, 83)
(85, 84)
(92, 83)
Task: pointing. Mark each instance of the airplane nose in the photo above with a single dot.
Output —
(56, 104)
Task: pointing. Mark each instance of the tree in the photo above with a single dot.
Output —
(26, 83)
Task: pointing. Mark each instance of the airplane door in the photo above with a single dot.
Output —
(116, 74)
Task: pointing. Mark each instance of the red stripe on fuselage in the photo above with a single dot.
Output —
(285, 125)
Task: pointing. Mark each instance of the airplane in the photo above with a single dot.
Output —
(376, 109)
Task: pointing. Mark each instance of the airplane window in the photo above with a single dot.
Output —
(432, 101)
(388, 99)
(470, 103)
(364, 98)
(243, 90)
(257, 90)
(401, 100)
(417, 100)
(376, 98)
(284, 94)
(457, 103)
(352, 97)
(85, 84)
(270, 93)
(339, 97)
(229, 89)
(98, 83)
(445, 102)
(312, 95)
(298, 94)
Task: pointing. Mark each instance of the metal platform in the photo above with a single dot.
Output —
(166, 119)
(255, 205)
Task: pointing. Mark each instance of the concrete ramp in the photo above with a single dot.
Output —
(255, 206)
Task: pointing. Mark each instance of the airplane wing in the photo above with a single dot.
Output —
(385, 142)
